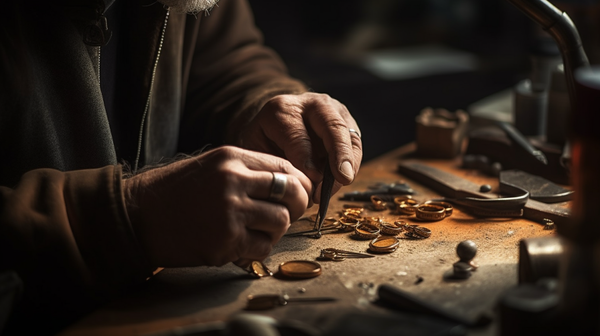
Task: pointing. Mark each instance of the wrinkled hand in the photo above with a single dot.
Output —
(213, 208)
(307, 129)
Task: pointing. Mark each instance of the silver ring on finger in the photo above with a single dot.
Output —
(352, 130)
(278, 187)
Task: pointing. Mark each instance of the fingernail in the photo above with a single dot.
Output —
(347, 171)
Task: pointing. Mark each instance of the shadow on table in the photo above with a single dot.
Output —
(175, 293)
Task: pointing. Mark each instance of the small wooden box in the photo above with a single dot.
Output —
(440, 133)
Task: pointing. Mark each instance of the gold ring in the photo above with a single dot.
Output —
(417, 232)
(429, 212)
(374, 221)
(392, 229)
(366, 231)
(401, 199)
(377, 203)
(348, 223)
(408, 206)
(353, 208)
(447, 206)
(384, 244)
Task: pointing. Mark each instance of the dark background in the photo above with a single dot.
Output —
(322, 42)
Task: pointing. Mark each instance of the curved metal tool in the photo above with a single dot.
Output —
(456, 187)
(512, 182)
(559, 25)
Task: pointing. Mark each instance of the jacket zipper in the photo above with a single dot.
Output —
(98, 65)
(147, 107)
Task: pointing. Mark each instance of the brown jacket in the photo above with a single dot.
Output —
(183, 81)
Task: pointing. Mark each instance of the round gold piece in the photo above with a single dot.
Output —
(408, 206)
(429, 212)
(259, 269)
(401, 199)
(366, 231)
(417, 232)
(374, 221)
(300, 269)
(350, 214)
(384, 244)
(348, 223)
(353, 208)
(392, 229)
(447, 206)
(377, 203)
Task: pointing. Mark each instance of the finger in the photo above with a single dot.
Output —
(325, 118)
(327, 122)
(259, 185)
(270, 218)
(283, 125)
(357, 149)
(255, 245)
(243, 263)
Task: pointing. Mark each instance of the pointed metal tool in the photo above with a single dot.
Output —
(326, 189)
(521, 142)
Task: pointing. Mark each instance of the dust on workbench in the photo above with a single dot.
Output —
(418, 266)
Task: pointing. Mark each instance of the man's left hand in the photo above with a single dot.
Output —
(307, 129)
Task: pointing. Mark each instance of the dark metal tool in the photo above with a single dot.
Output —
(326, 189)
(391, 189)
(518, 139)
(311, 232)
(455, 187)
(539, 188)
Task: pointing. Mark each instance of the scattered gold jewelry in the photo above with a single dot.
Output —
(417, 232)
(300, 269)
(429, 212)
(392, 229)
(348, 224)
(258, 269)
(377, 203)
(447, 206)
(384, 244)
(366, 231)
(407, 207)
(374, 221)
(401, 199)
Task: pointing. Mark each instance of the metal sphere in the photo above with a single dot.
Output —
(466, 250)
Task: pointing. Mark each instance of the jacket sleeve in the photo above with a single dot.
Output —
(68, 237)
(232, 75)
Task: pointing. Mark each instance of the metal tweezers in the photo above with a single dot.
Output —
(326, 189)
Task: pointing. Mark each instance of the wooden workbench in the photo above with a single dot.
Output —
(183, 297)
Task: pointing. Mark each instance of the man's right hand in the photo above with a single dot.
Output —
(213, 208)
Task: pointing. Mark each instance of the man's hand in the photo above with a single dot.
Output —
(214, 208)
(307, 129)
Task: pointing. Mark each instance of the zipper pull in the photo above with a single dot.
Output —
(98, 34)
